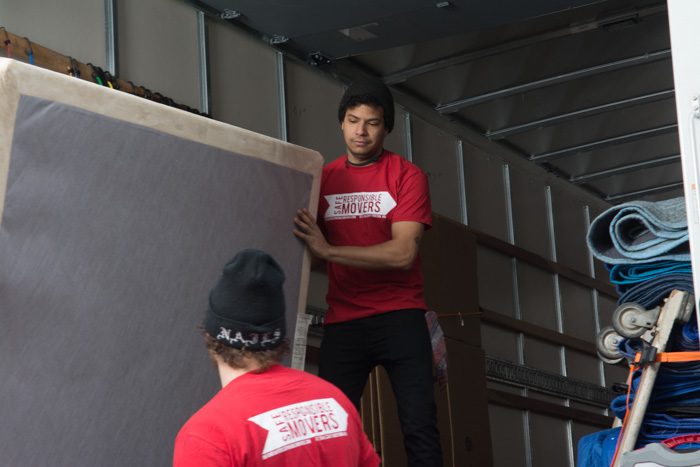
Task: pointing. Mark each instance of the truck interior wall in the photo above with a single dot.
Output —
(71, 27)
(400, 138)
(578, 321)
(237, 64)
(586, 367)
(158, 47)
(550, 442)
(576, 303)
(311, 110)
(570, 227)
(508, 436)
(436, 153)
(531, 223)
(496, 286)
(485, 188)
(500, 343)
(536, 296)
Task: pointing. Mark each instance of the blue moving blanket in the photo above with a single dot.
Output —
(597, 449)
(626, 276)
(652, 292)
(641, 231)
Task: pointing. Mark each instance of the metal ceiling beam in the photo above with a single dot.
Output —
(410, 72)
(650, 57)
(347, 70)
(556, 119)
(587, 147)
(646, 191)
(657, 162)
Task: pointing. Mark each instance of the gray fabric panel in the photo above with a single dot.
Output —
(111, 238)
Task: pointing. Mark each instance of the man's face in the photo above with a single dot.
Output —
(363, 131)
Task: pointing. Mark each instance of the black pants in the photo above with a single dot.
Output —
(398, 341)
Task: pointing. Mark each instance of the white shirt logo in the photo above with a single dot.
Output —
(297, 424)
(361, 204)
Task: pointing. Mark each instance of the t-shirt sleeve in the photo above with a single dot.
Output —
(413, 202)
(194, 451)
(369, 455)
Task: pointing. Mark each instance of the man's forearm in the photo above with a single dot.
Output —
(388, 255)
(399, 252)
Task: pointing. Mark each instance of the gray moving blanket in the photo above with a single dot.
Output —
(641, 231)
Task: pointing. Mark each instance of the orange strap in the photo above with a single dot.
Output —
(673, 357)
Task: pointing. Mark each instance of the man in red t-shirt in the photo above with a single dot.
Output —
(373, 209)
(266, 414)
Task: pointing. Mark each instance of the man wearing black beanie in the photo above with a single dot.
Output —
(266, 414)
(373, 209)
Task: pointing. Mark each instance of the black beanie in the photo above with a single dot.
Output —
(246, 307)
(372, 91)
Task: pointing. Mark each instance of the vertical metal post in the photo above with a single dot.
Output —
(550, 223)
(509, 204)
(282, 98)
(518, 311)
(203, 47)
(526, 435)
(462, 182)
(589, 256)
(555, 277)
(514, 262)
(551, 233)
(409, 138)
(111, 37)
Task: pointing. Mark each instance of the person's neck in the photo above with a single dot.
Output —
(368, 161)
(228, 373)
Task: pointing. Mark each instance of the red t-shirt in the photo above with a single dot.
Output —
(279, 418)
(356, 208)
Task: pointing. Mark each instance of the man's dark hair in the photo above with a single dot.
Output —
(370, 92)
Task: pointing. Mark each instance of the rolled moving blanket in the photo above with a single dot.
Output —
(641, 231)
(626, 276)
(652, 292)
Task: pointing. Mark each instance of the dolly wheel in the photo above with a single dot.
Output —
(607, 344)
(631, 320)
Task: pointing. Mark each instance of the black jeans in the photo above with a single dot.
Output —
(399, 341)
